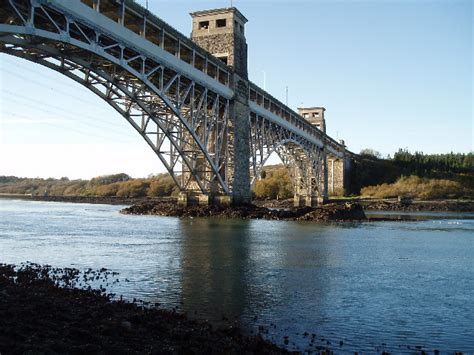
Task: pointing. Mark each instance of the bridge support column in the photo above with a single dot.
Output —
(337, 177)
(240, 113)
(186, 199)
(323, 189)
(306, 201)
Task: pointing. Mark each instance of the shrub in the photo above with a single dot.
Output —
(422, 188)
(133, 188)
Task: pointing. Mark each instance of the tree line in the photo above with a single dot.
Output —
(116, 185)
(449, 174)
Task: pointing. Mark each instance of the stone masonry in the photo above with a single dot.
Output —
(222, 33)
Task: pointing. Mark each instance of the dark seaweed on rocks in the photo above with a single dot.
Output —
(37, 316)
(325, 213)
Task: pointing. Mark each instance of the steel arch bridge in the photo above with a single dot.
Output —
(210, 127)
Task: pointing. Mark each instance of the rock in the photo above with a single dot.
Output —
(126, 325)
(330, 212)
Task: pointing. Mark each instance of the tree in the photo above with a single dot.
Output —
(370, 153)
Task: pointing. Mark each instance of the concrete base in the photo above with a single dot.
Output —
(192, 199)
(186, 199)
(308, 201)
(320, 200)
(222, 200)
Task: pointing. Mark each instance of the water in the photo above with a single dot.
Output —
(375, 286)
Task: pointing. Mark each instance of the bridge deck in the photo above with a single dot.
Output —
(142, 22)
(261, 102)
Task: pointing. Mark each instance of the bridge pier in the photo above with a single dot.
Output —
(336, 177)
(240, 112)
(222, 33)
(308, 200)
(338, 174)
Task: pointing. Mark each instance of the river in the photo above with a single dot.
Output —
(394, 286)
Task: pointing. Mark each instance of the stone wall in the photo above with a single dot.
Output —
(338, 176)
(229, 44)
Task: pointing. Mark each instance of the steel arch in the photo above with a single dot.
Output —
(187, 119)
(303, 159)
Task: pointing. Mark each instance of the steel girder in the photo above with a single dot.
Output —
(304, 160)
(185, 123)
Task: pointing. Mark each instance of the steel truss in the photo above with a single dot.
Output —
(304, 160)
(185, 123)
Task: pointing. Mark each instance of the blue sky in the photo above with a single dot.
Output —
(391, 74)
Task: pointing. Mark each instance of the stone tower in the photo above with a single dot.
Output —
(222, 33)
(315, 116)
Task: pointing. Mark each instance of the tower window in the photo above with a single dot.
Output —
(316, 114)
(221, 23)
(224, 59)
(203, 25)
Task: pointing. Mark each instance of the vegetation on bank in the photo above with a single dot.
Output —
(118, 185)
(416, 175)
(420, 188)
(274, 184)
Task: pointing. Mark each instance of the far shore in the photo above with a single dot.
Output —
(102, 200)
(368, 204)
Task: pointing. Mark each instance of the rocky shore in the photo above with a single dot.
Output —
(326, 213)
(418, 206)
(388, 205)
(367, 204)
(45, 311)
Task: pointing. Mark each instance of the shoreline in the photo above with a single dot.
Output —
(382, 205)
(43, 310)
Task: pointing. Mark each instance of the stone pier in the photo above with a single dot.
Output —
(222, 33)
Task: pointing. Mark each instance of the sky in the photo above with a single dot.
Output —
(391, 74)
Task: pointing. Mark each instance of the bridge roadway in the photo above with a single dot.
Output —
(154, 62)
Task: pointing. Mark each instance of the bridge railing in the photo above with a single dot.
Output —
(139, 20)
(268, 102)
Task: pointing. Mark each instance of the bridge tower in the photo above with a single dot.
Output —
(222, 33)
(336, 169)
(315, 116)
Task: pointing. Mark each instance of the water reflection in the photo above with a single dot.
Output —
(215, 267)
(257, 272)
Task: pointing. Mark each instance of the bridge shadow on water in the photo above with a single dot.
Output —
(215, 268)
(248, 273)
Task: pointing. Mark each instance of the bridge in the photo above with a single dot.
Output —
(189, 98)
